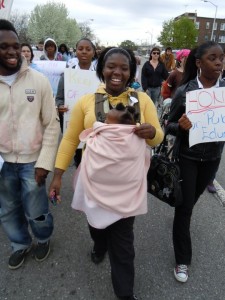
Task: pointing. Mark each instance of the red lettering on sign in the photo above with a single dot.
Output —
(2, 5)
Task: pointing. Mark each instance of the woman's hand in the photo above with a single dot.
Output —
(184, 122)
(54, 189)
(145, 131)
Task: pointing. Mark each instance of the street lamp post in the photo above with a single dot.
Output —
(150, 33)
(214, 21)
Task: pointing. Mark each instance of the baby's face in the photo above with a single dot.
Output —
(113, 117)
(119, 117)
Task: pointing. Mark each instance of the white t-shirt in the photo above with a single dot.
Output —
(9, 79)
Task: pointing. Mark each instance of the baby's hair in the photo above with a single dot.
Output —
(129, 116)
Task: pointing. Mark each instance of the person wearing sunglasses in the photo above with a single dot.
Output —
(153, 74)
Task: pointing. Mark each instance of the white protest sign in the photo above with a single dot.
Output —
(77, 83)
(206, 110)
(37, 54)
(51, 69)
(5, 8)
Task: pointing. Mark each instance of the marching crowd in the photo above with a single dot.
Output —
(118, 124)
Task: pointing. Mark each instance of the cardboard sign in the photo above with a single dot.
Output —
(206, 110)
(77, 83)
(51, 69)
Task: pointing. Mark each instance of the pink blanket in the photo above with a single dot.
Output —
(113, 169)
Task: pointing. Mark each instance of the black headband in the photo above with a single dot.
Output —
(118, 50)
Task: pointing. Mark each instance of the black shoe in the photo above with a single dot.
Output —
(96, 258)
(42, 251)
(133, 297)
(17, 258)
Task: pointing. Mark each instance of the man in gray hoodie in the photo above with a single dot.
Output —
(51, 51)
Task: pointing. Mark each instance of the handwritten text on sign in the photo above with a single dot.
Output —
(78, 83)
(206, 110)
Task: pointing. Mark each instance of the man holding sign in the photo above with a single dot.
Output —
(203, 94)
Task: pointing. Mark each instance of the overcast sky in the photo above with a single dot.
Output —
(114, 21)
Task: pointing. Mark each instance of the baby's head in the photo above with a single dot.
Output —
(122, 115)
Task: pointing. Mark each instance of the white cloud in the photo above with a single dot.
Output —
(119, 20)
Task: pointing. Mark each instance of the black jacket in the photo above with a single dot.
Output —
(153, 78)
(203, 151)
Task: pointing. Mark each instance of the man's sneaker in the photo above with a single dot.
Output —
(181, 273)
(97, 258)
(17, 258)
(42, 251)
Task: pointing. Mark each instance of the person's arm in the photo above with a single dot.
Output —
(165, 73)
(67, 147)
(150, 129)
(59, 99)
(55, 186)
(50, 127)
(177, 109)
(144, 79)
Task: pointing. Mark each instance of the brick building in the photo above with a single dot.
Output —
(204, 26)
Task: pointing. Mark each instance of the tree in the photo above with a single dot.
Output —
(178, 34)
(51, 20)
(185, 33)
(129, 45)
(167, 34)
(86, 31)
(20, 22)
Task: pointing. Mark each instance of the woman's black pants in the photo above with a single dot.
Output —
(196, 176)
(118, 240)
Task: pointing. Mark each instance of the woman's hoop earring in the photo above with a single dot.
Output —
(199, 72)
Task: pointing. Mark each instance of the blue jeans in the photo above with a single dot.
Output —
(154, 93)
(23, 202)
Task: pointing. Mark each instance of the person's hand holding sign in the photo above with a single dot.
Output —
(184, 122)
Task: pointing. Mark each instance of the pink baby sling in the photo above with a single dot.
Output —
(111, 183)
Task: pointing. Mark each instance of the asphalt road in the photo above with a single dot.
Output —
(68, 273)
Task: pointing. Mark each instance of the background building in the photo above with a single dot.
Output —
(205, 28)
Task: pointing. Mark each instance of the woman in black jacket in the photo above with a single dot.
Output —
(197, 163)
(152, 75)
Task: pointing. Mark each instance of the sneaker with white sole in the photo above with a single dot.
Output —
(181, 273)
(17, 258)
(42, 251)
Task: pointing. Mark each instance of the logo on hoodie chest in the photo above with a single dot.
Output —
(31, 92)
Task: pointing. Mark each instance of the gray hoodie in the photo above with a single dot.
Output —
(57, 56)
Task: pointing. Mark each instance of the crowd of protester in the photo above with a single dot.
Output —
(29, 145)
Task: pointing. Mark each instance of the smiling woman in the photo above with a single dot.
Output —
(27, 52)
(116, 68)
